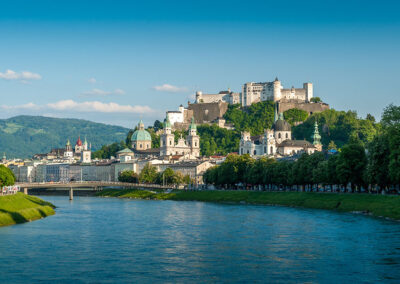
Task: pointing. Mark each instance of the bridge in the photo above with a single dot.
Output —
(93, 185)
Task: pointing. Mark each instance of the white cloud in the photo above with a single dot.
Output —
(89, 106)
(95, 106)
(98, 92)
(23, 106)
(24, 76)
(170, 88)
(92, 80)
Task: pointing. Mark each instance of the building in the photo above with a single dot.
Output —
(125, 155)
(86, 153)
(68, 153)
(223, 96)
(191, 145)
(141, 139)
(81, 152)
(273, 91)
(251, 93)
(180, 118)
(78, 145)
(277, 141)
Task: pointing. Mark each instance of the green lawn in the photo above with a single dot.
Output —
(20, 208)
(377, 205)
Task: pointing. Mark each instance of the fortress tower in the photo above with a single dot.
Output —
(277, 90)
(309, 91)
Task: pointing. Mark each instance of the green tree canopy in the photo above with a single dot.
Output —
(316, 100)
(295, 115)
(148, 174)
(6, 176)
(128, 176)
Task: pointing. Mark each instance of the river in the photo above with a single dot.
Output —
(126, 241)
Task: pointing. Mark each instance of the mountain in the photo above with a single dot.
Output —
(23, 136)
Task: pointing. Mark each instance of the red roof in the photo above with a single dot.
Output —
(79, 141)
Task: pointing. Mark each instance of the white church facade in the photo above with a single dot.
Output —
(277, 141)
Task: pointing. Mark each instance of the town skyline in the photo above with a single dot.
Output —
(105, 64)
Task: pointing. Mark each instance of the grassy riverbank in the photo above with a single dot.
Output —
(376, 205)
(21, 208)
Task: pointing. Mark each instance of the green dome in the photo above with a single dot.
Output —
(141, 135)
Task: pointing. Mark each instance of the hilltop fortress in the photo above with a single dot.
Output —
(210, 108)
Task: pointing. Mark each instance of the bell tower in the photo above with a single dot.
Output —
(167, 140)
(193, 140)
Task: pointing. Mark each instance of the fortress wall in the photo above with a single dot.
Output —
(308, 107)
(206, 112)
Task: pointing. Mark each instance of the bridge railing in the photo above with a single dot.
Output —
(94, 184)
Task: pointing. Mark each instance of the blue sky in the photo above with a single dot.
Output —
(119, 61)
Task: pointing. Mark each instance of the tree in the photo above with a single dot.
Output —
(378, 161)
(128, 139)
(255, 118)
(295, 115)
(351, 164)
(337, 126)
(148, 174)
(370, 117)
(188, 180)
(128, 176)
(332, 177)
(211, 174)
(168, 177)
(107, 151)
(316, 100)
(391, 116)
(321, 173)
(332, 145)
(158, 125)
(6, 176)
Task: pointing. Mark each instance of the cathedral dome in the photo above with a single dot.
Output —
(141, 135)
(282, 125)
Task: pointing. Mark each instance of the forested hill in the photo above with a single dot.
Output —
(24, 136)
(335, 127)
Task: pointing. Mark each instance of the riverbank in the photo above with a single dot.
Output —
(375, 205)
(21, 208)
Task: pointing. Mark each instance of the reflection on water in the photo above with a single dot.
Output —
(111, 240)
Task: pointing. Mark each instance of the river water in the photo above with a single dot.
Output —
(92, 240)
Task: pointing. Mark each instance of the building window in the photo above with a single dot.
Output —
(255, 152)
(195, 144)
(265, 149)
(279, 135)
(287, 136)
(248, 152)
(170, 142)
(271, 150)
(241, 151)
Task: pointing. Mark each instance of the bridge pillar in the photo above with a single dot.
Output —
(26, 190)
(71, 193)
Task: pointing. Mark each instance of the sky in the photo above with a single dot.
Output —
(117, 62)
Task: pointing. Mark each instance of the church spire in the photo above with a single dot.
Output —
(316, 137)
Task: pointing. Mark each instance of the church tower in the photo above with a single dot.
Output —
(78, 145)
(167, 140)
(316, 137)
(68, 153)
(86, 154)
(193, 140)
